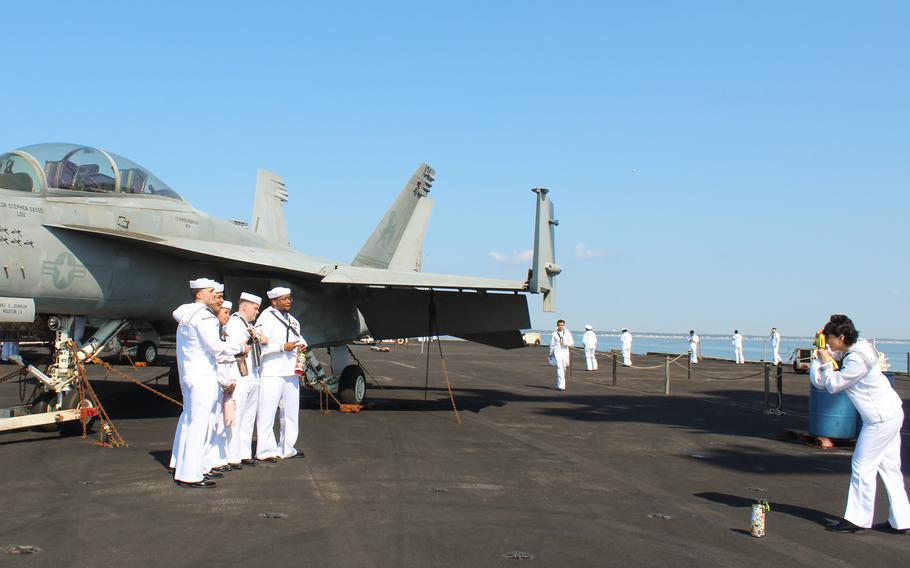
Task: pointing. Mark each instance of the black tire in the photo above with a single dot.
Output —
(352, 388)
(536, 342)
(173, 383)
(40, 406)
(74, 427)
(147, 352)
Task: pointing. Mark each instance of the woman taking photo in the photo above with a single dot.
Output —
(878, 447)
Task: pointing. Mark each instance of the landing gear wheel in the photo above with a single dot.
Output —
(352, 387)
(147, 352)
(537, 342)
(70, 401)
(41, 405)
(173, 383)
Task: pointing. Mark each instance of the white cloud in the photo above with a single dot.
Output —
(581, 251)
(519, 257)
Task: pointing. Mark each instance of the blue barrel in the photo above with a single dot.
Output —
(832, 415)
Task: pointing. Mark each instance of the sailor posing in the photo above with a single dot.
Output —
(279, 387)
(198, 348)
(560, 342)
(246, 391)
(216, 458)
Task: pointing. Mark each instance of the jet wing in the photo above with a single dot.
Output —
(364, 276)
(244, 256)
(408, 304)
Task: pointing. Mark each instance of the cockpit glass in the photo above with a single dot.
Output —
(18, 174)
(135, 179)
(80, 168)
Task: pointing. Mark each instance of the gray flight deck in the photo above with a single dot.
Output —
(599, 475)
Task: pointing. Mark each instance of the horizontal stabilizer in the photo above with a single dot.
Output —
(397, 242)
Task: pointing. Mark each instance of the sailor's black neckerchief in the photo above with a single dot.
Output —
(288, 327)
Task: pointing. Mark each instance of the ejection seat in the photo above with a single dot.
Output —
(132, 180)
(60, 174)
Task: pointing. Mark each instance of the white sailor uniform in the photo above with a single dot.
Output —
(626, 338)
(878, 448)
(775, 347)
(198, 348)
(246, 394)
(279, 387)
(560, 342)
(589, 340)
(738, 348)
(693, 348)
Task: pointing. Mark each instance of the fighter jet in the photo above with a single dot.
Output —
(86, 233)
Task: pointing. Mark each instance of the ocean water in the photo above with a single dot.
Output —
(755, 348)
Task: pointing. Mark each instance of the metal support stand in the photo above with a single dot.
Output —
(667, 375)
(613, 352)
(689, 368)
(769, 409)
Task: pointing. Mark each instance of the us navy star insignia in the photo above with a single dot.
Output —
(63, 270)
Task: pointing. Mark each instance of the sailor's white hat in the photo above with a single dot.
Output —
(278, 292)
(227, 305)
(202, 283)
(250, 298)
(588, 326)
(219, 288)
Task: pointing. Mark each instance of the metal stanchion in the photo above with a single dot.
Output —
(689, 368)
(613, 352)
(767, 370)
(667, 375)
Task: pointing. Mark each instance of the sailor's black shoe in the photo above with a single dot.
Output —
(845, 526)
(886, 527)
(195, 485)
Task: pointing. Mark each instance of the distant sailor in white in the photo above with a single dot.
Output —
(738, 347)
(878, 447)
(774, 340)
(198, 348)
(589, 340)
(279, 387)
(560, 343)
(246, 391)
(693, 346)
(626, 339)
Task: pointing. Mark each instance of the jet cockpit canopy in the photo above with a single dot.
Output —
(77, 168)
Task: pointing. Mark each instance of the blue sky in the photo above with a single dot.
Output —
(713, 164)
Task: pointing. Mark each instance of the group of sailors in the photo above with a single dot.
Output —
(562, 341)
(236, 371)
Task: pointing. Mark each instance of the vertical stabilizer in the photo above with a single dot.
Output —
(268, 208)
(397, 242)
(544, 269)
